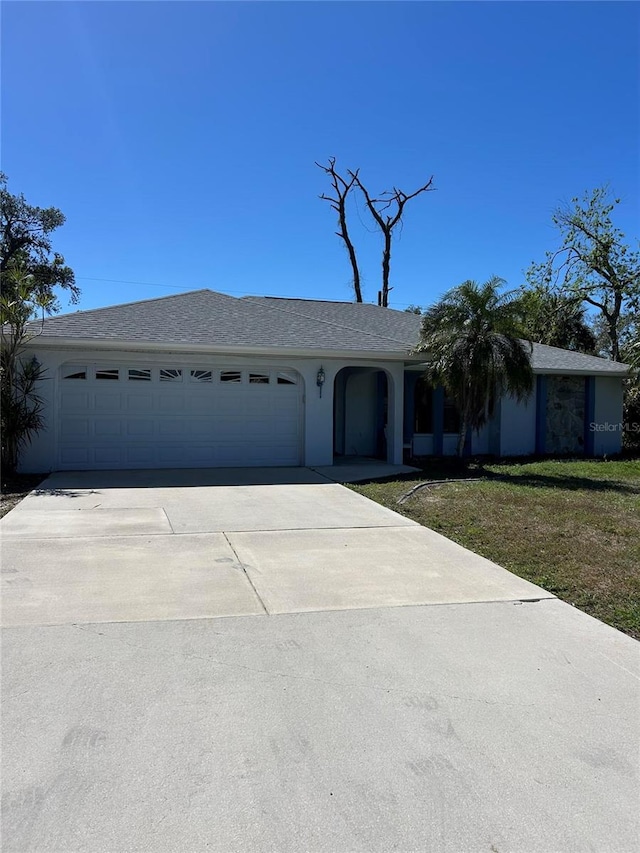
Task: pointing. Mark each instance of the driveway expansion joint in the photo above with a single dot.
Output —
(246, 574)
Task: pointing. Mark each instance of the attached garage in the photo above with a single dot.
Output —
(136, 415)
(205, 380)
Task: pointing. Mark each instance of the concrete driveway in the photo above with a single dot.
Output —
(134, 719)
(144, 545)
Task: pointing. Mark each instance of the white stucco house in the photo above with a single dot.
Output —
(203, 379)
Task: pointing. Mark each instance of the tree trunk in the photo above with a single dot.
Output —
(462, 436)
(386, 265)
(354, 266)
(612, 320)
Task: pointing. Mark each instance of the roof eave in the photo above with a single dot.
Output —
(410, 359)
(580, 371)
(110, 345)
(549, 371)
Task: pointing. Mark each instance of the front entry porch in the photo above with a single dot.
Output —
(360, 414)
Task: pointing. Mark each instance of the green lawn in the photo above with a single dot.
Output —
(573, 527)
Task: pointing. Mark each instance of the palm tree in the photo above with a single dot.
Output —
(472, 336)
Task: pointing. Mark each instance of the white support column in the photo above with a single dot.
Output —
(395, 414)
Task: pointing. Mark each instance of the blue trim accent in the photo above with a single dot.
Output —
(589, 414)
(541, 414)
(381, 404)
(410, 381)
(438, 421)
(381, 393)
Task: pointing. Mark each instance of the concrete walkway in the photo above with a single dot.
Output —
(500, 720)
(137, 546)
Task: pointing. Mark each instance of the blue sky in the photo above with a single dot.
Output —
(179, 139)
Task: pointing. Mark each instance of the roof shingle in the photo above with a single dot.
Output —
(206, 317)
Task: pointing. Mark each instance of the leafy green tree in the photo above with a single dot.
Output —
(628, 334)
(25, 244)
(20, 405)
(556, 320)
(593, 262)
(473, 340)
(630, 354)
(31, 274)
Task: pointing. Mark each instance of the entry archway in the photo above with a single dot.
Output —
(361, 413)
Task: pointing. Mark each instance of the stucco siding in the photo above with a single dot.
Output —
(422, 445)
(606, 424)
(517, 426)
(480, 441)
(449, 444)
(39, 455)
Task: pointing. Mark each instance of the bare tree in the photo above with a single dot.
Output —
(342, 188)
(397, 200)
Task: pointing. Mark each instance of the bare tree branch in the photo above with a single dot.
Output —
(342, 188)
(377, 208)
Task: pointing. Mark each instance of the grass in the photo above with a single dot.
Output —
(572, 527)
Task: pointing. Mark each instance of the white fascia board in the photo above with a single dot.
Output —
(549, 371)
(104, 345)
(568, 371)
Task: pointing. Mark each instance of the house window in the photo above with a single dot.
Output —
(259, 378)
(140, 375)
(287, 378)
(231, 376)
(108, 373)
(451, 418)
(423, 407)
(201, 376)
(170, 374)
(74, 371)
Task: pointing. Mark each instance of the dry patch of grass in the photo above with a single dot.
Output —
(571, 527)
(15, 488)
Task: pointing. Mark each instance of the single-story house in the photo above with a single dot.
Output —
(203, 379)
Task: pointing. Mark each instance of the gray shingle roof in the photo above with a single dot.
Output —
(396, 325)
(215, 319)
(544, 358)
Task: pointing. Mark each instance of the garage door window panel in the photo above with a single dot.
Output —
(74, 371)
(139, 374)
(108, 373)
(170, 374)
(201, 375)
(231, 377)
(286, 377)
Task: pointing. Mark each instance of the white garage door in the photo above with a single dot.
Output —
(178, 416)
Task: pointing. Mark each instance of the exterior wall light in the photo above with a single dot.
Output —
(320, 379)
